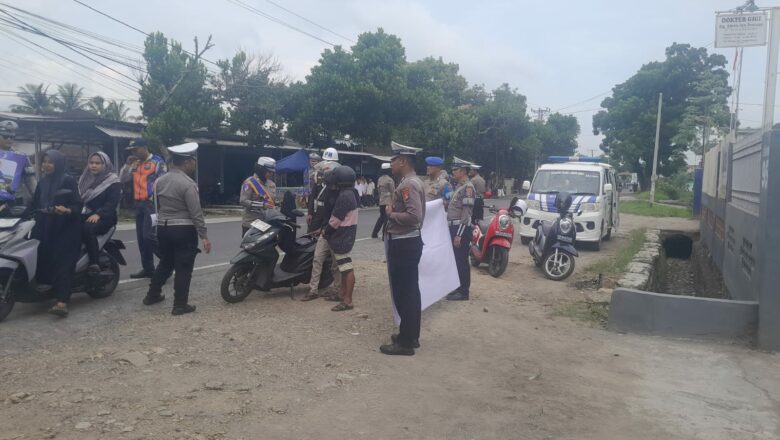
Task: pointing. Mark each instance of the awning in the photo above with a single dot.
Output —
(119, 133)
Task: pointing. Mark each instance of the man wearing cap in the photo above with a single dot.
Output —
(180, 223)
(143, 169)
(27, 188)
(386, 187)
(404, 247)
(480, 187)
(258, 193)
(459, 216)
(436, 183)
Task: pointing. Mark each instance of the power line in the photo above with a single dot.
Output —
(585, 101)
(270, 17)
(309, 21)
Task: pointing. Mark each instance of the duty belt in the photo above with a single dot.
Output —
(453, 222)
(177, 222)
(415, 233)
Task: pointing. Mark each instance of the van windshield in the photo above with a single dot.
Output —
(574, 182)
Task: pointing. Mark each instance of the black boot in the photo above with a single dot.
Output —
(181, 310)
(396, 350)
(153, 299)
(457, 296)
(141, 274)
(394, 338)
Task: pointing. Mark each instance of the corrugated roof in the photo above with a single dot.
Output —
(119, 133)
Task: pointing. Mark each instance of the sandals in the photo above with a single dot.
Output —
(341, 307)
(335, 297)
(310, 296)
(59, 309)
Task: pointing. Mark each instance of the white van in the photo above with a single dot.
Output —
(594, 192)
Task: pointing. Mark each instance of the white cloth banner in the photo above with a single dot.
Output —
(438, 273)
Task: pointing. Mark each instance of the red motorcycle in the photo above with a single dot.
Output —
(491, 241)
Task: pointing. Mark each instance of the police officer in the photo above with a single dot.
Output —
(404, 249)
(480, 187)
(258, 193)
(386, 187)
(316, 202)
(436, 183)
(179, 225)
(459, 216)
(27, 188)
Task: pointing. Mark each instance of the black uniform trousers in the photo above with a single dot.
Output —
(403, 257)
(462, 258)
(178, 246)
(478, 213)
(380, 222)
(145, 233)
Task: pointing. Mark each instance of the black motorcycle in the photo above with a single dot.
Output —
(553, 246)
(255, 266)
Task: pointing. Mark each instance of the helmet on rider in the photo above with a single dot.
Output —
(563, 201)
(341, 177)
(330, 154)
(265, 164)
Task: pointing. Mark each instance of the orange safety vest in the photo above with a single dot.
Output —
(143, 179)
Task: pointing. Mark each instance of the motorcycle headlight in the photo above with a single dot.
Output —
(257, 241)
(591, 207)
(534, 204)
(566, 225)
(504, 221)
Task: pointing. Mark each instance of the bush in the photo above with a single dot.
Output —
(676, 187)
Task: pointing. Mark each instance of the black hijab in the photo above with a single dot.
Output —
(52, 183)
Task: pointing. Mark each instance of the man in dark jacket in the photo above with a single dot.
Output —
(341, 230)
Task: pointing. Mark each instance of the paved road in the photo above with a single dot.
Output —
(225, 240)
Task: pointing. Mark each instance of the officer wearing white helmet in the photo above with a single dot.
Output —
(316, 215)
(258, 192)
(180, 223)
(27, 188)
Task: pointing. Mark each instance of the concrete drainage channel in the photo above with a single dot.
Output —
(671, 289)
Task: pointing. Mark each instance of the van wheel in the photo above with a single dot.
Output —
(609, 235)
(525, 240)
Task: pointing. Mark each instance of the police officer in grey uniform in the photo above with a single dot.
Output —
(480, 187)
(404, 246)
(436, 185)
(459, 216)
(180, 223)
(27, 188)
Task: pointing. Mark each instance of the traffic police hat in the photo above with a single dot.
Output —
(403, 150)
(185, 150)
(386, 165)
(458, 163)
(434, 161)
(137, 142)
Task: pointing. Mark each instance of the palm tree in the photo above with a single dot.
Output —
(116, 111)
(97, 105)
(69, 97)
(35, 99)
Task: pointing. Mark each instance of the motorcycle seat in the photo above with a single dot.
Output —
(483, 226)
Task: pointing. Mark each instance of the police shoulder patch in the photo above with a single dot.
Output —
(405, 193)
(245, 188)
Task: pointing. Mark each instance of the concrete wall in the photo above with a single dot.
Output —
(768, 259)
(635, 311)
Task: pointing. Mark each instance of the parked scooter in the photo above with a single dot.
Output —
(255, 266)
(553, 246)
(19, 257)
(491, 241)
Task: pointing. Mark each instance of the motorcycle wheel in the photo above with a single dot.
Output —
(107, 289)
(7, 305)
(236, 285)
(557, 266)
(499, 258)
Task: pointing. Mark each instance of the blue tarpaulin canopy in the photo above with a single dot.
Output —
(298, 161)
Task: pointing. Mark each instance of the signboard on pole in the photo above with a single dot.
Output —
(740, 30)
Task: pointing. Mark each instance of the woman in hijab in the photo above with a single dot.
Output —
(99, 188)
(57, 227)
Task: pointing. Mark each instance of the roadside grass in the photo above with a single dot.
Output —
(594, 313)
(615, 266)
(638, 207)
(686, 199)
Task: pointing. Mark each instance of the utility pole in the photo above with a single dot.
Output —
(541, 113)
(654, 177)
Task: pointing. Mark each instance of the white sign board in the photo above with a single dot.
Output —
(740, 30)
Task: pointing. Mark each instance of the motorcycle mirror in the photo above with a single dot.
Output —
(526, 185)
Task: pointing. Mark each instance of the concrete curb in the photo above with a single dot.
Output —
(635, 311)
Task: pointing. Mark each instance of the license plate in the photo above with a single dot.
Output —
(564, 239)
(261, 225)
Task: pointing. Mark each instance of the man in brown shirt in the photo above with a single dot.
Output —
(386, 188)
(404, 248)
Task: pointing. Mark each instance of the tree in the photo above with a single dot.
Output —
(253, 97)
(695, 91)
(35, 99)
(175, 98)
(116, 111)
(97, 105)
(557, 135)
(69, 97)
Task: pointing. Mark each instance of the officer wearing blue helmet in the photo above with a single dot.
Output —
(436, 185)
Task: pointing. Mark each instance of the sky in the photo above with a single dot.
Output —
(564, 55)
